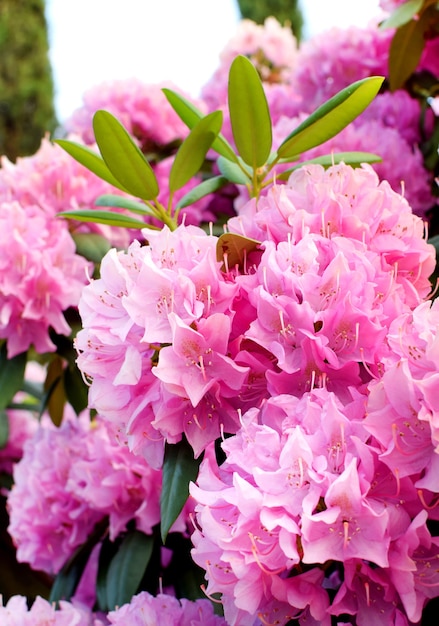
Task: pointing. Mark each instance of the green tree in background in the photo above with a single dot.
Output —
(26, 86)
(283, 10)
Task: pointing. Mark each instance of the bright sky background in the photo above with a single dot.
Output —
(155, 40)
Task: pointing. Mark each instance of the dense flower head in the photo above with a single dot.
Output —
(402, 404)
(401, 164)
(69, 479)
(164, 610)
(52, 180)
(333, 59)
(141, 107)
(292, 490)
(43, 613)
(169, 292)
(271, 47)
(41, 277)
(350, 203)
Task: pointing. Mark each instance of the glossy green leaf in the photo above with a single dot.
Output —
(55, 399)
(354, 159)
(329, 119)
(233, 249)
(210, 185)
(249, 113)
(103, 217)
(127, 567)
(190, 115)
(405, 51)
(121, 202)
(4, 428)
(233, 172)
(76, 389)
(11, 375)
(402, 14)
(179, 469)
(192, 152)
(91, 246)
(123, 157)
(106, 554)
(89, 159)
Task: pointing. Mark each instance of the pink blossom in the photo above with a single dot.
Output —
(42, 613)
(68, 480)
(141, 107)
(337, 57)
(272, 48)
(52, 180)
(164, 610)
(149, 296)
(41, 277)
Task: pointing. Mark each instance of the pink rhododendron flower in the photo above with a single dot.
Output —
(333, 59)
(141, 107)
(41, 277)
(52, 180)
(43, 613)
(272, 49)
(164, 610)
(69, 479)
(143, 299)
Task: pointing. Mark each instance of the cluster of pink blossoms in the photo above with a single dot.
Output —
(71, 478)
(41, 276)
(144, 610)
(42, 613)
(292, 352)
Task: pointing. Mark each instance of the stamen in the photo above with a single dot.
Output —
(429, 507)
(346, 533)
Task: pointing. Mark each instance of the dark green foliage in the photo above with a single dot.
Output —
(26, 86)
(283, 10)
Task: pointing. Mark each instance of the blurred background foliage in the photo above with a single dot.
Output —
(285, 11)
(27, 110)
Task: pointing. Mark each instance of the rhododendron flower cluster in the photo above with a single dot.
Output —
(41, 276)
(43, 613)
(248, 418)
(142, 108)
(69, 479)
(164, 610)
(283, 352)
(55, 182)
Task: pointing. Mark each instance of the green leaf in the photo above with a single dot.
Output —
(11, 375)
(350, 158)
(91, 246)
(179, 469)
(190, 115)
(192, 152)
(402, 14)
(106, 554)
(208, 186)
(127, 567)
(55, 399)
(76, 389)
(329, 119)
(103, 217)
(233, 172)
(123, 157)
(89, 159)
(121, 202)
(249, 113)
(233, 249)
(405, 51)
(4, 428)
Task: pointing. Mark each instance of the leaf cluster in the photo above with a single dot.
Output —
(253, 163)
